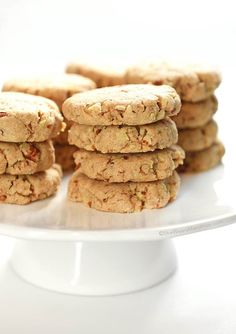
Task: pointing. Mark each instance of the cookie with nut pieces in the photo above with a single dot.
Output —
(192, 82)
(26, 158)
(28, 118)
(135, 167)
(199, 138)
(123, 197)
(123, 138)
(24, 189)
(122, 105)
(203, 160)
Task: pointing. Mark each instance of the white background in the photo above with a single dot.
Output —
(42, 36)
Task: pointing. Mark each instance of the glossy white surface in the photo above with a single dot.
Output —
(103, 268)
(204, 202)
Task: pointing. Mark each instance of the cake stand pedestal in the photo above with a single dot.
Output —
(94, 268)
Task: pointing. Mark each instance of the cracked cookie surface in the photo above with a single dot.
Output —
(64, 156)
(124, 139)
(122, 105)
(24, 189)
(135, 167)
(192, 82)
(199, 138)
(203, 160)
(26, 158)
(28, 118)
(103, 76)
(57, 88)
(123, 197)
(194, 115)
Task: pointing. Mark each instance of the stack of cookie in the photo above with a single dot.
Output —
(57, 88)
(127, 155)
(197, 130)
(27, 170)
(198, 135)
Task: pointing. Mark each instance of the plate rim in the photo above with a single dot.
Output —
(139, 234)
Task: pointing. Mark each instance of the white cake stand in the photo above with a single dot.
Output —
(66, 247)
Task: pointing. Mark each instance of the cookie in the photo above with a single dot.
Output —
(203, 160)
(192, 82)
(122, 105)
(194, 115)
(199, 138)
(123, 197)
(24, 189)
(57, 88)
(26, 158)
(124, 139)
(135, 167)
(64, 156)
(28, 118)
(103, 76)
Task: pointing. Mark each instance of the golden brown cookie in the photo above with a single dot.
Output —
(203, 160)
(55, 87)
(119, 105)
(24, 189)
(28, 118)
(192, 82)
(103, 76)
(26, 158)
(194, 115)
(199, 138)
(135, 167)
(123, 197)
(124, 139)
(64, 156)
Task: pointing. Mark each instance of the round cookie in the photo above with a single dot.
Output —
(64, 156)
(192, 82)
(194, 115)
(123, 197)
(203, 160)
(28, 118)
(198, 139)
(103, 76)
(26, 158)
(24, 189)
(55, 87)
(135, 167)
(124, 139)
(122, 105)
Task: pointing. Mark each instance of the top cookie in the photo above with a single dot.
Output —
(122, 105)
(104, 76)
(28, 118)
(57, 88)
(192, 82)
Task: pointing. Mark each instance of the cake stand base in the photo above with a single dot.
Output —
(94, 268)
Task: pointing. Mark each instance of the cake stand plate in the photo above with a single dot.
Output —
(66, 247)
